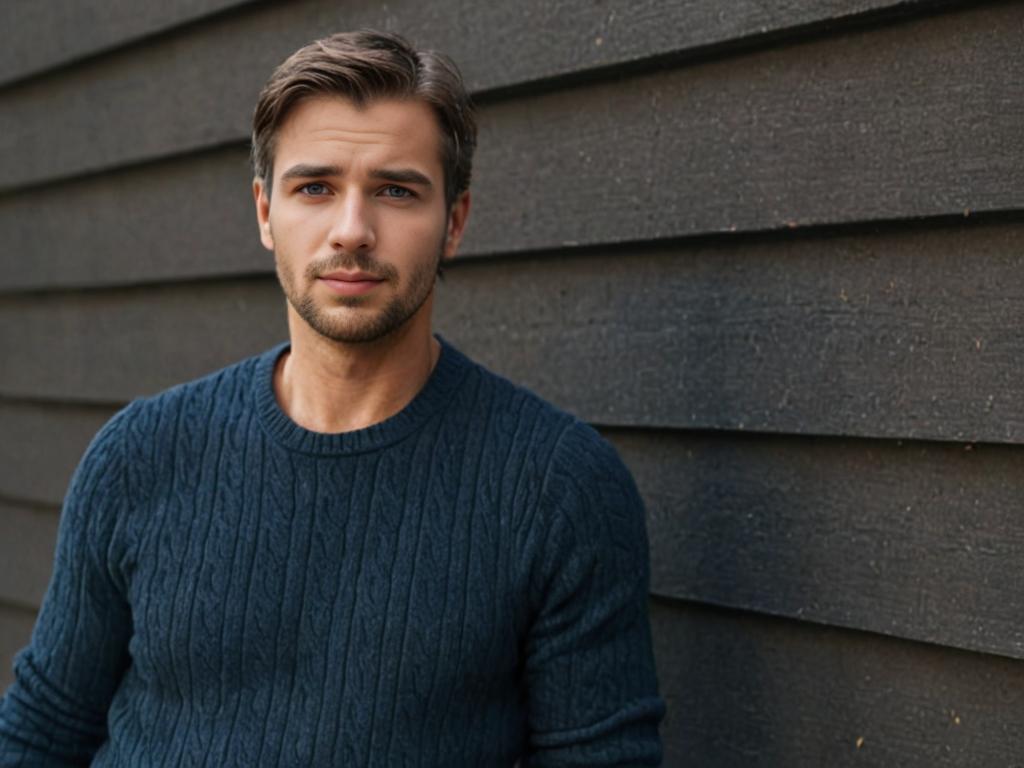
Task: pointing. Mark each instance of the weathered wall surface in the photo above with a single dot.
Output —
(774, 254)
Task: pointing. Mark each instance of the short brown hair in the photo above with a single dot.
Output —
(362, 66)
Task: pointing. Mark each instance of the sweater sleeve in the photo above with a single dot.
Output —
(591, 686)
(55, 712)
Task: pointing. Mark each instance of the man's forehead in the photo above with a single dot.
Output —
(403, 130)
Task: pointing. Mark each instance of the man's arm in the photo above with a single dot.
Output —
(592, 692)
(55, 712)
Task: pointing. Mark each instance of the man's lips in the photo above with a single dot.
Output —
(350, 283)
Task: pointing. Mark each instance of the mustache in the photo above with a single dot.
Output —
(360, 261)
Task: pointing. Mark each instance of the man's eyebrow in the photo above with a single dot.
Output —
(396, 175)
(304, 171)
(401, 176)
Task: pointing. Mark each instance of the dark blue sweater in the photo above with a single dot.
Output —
(463, 584)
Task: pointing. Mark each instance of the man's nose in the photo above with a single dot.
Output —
(353, 228)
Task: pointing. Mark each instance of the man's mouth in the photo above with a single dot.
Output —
(350, 283)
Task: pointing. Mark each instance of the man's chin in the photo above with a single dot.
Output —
(370, 327)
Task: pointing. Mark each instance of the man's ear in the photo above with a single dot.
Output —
(457, 218)
(262, 197)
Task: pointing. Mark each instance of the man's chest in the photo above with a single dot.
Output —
(325, 586)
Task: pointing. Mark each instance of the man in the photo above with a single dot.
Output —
(359, 548)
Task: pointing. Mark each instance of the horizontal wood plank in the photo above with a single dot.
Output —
(190, 91)
(41, 447)
(116, 345)
(813, 134)
(810, 134)
(35, 37)
(28, 535)
(550, 38)
(15, 630)
(744, 690)
(916, 540)
(191, 217)
(907, 333)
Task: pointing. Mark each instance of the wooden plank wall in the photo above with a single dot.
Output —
(774, 253)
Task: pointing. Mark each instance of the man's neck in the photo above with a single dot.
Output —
(331, 387)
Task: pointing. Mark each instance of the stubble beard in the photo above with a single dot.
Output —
(360, 325)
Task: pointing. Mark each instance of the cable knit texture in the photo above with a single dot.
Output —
(463, 584)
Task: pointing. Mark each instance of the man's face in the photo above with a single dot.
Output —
(356, 217)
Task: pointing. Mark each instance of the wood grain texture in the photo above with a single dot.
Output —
(810, 134)
(917, 119)
(189, 91)
(35, 37)
(15, 630)
(111, 346)
(28, 535)
(906, 333)
(915, 540)
(41, 447)
(748, 691)
(561, 37)
(189, 217)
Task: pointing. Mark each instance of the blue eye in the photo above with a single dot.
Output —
(315, 189)
(397, 192)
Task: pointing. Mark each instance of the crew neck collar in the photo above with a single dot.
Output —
(448, 372)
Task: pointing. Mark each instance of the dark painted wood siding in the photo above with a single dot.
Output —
(774, 254)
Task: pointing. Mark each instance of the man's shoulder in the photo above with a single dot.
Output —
(566, 437)
(233, 381)
(503, 399)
